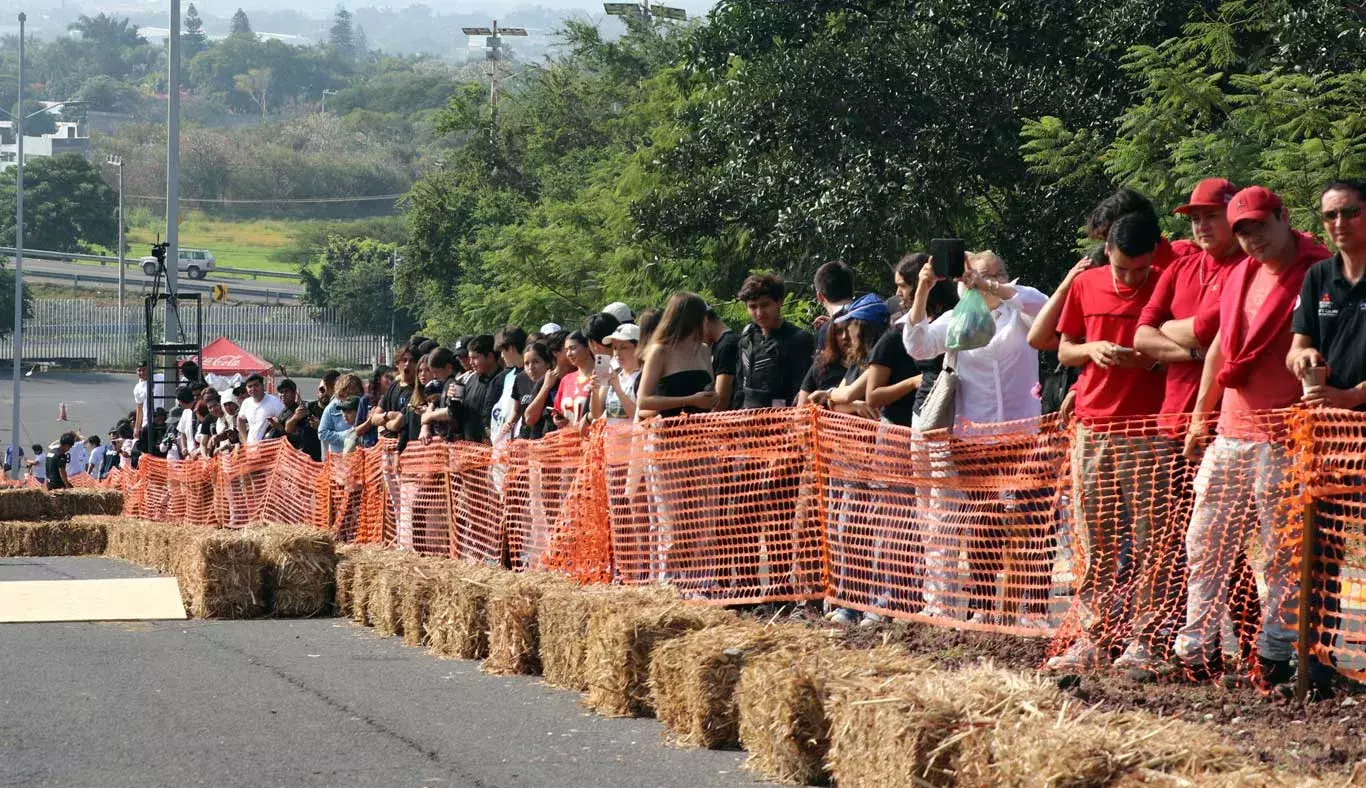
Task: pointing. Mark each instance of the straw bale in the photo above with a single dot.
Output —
(142, 542)
(918, 729)
(693, 678)
(514, 626)
(220, 574)
(617, 655)
(1081, 748)
(51, 538)
(456, 622)
(366, 566)
(1253, 777)
(385, 604)
(415, 598)
(563, 622)
(300, 569)
(346, 567)
(24, 503)
(65, 504)
(782, 701)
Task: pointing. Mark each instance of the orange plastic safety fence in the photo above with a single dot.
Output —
(536, 491)
(723, 506)
(476, 503)
(580, 542)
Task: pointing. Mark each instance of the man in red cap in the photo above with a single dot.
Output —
(1239, 484)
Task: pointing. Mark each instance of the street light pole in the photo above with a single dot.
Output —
(173, 178)
(117, 161)
(18, 255)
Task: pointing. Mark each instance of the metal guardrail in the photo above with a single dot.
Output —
(254, 273)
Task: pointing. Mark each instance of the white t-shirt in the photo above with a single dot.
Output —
(97, 460)
(506, 406)
(140, 391)
(256, 415)
(77, 459)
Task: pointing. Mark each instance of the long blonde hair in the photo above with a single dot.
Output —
(683, 319)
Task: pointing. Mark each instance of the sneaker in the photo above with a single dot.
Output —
(841, 616)
(1273, 672)
(934, 611)
(1136, 655)
(1081, 655)
(869, 619)
(1039, 623)
(1320, 681)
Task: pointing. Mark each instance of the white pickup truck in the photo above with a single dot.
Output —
(194, 263)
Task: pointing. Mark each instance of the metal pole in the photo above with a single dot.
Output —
(120, 166)
(18, 255)
(173, 177)
(1307, 633)
(493, 72)
(393, 295)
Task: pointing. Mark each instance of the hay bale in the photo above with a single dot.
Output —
(300, 565)
(456, 621)
(782, 700)
(931, 727)
(514, 623)
(562, 619)
(65, 504)
(367, 564)
(1083, 748)
(415, 599)
(390, 577)
(24, 503)
(617, 655)
(51, 538)
(693, 678)
(221, 574)
(142, 542)
(346, 566)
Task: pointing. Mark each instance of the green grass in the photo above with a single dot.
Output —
(234, 244)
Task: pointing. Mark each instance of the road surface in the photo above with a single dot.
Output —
(106, 277)
(297, 703)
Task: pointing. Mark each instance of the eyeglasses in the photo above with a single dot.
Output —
(1348, 214)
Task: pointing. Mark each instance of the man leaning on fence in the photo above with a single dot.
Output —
(1239, 484)
(1328, 355)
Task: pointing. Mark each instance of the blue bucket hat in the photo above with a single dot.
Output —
(871, 308)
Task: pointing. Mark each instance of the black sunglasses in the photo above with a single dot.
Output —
(1349, 213)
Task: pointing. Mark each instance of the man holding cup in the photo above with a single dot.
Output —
(1328, 355)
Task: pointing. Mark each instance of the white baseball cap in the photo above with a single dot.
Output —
(620, 311)
(551, 328)
(626, 332)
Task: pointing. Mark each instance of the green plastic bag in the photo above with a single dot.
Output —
(971, 326)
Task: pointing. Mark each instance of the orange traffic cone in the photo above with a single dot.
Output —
(61, 412)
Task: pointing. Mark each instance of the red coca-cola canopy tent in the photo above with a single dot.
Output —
(225, 357)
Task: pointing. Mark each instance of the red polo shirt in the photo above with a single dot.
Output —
(1181, 291)
(1101, 310)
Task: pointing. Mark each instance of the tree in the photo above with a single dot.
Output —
(193, 40)
(355, 277)
(342, 35)
(362, 45)
(106, 29)
(256, 84)
(68, 206)
(106, 94)
(240, 26)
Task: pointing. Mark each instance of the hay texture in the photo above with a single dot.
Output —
(300, 565)
(563, 617)
(388, 579)
(694, 678)
(65, 504)
(456, 621)
(24, 503)
(51, 538)
(621, 638)
(415, 598)
(929, 727)
(142, 542)
(221, 574)
(513, 613)
(782, 701)
(347, 555)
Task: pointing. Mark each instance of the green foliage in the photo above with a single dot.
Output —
(106, 94)
(192, 38)
(355, 277)
(1264, 92)
(67, 205)
(240, 25)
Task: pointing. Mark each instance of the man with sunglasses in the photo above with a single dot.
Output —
(1238, 487)
(1329, 357)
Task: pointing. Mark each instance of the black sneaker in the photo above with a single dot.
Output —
(1274, 672)
(1320, 681)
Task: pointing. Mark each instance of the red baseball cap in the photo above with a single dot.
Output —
(1209, 193)
(1255, 202)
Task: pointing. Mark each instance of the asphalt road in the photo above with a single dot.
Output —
(106, 277)
(296, 703)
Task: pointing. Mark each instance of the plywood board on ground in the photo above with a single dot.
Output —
(123, 599)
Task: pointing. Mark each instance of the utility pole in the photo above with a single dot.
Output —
(117, 161)
(173, 329)
(493, 49)
(18, 254)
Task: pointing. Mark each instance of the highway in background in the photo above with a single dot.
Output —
(136, 283)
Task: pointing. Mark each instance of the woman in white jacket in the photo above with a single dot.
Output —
(996, 385)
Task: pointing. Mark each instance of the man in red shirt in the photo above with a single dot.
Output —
(1116, 476)
(1239, 484)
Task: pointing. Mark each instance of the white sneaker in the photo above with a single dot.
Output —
(1136, 655)
(841, 616)
(1081, 655)
(870, 619)
(1039, 623)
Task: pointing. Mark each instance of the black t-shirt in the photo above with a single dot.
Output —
(396, 399)
(818, 378)
(452, 398)
(1332, 313)
(481, 396)
(149, 440)
(55, 464)
(725, 360)
(547, 424)
(772, 367)
(891, 353)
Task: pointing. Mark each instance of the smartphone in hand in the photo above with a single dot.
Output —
(602, 365)
(948, 254)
